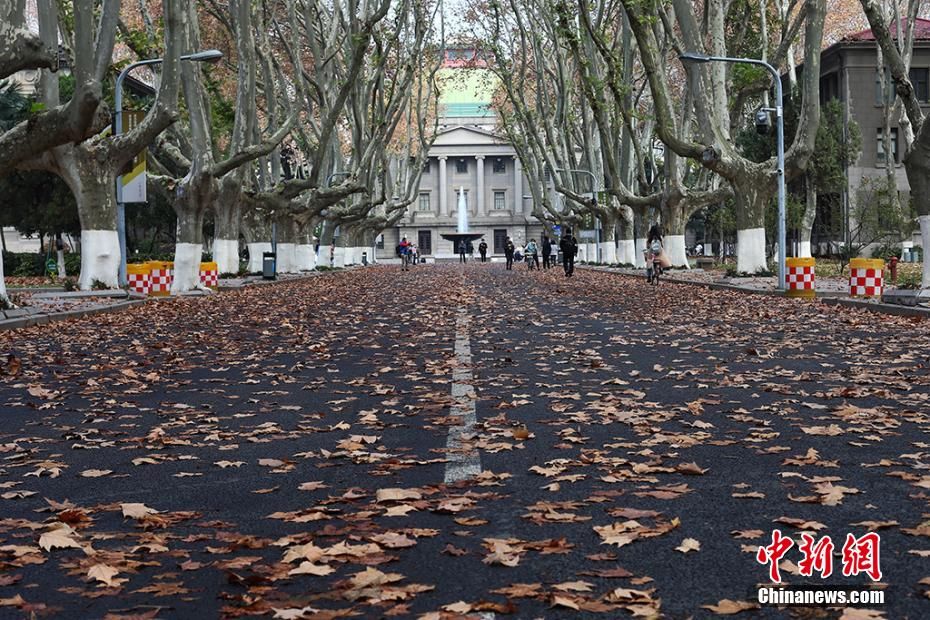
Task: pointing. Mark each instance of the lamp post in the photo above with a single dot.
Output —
(204, 56)
(780, 128)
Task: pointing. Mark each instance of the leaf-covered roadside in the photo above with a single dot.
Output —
(280, 451)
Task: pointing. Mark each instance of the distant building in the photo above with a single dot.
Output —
(467, 154)
(848, 72)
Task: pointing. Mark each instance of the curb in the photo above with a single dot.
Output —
(42, 319)
(880, 308)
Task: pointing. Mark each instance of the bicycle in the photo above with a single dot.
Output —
(653, 267)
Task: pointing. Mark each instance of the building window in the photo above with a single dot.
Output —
(920, 80)
(500, 240)
(499, 166)
(880, 146)
(889, 88)
(499, 201)
(424, 203)
(461, 165)
(425, 241)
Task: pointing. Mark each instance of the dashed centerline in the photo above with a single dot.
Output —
(463, 460)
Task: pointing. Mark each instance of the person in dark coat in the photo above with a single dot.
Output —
(509, 249)
(483, 250)
(546, 251)
(569, 247)
(463, 249)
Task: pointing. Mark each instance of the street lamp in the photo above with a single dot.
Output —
(780, 125)
(202, 56)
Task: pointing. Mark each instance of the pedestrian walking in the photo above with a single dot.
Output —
(532, 255)
(569, 247)
(404, 251)
(509, 249)
(463, 248)
(483, 250)
(546, 251)
(471, 250)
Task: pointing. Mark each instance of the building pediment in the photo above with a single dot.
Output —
(467, 136)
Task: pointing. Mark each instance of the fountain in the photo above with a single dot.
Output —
(461, 233)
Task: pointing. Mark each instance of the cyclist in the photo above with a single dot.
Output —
(532, 254)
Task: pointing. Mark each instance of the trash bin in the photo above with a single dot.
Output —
(865, 277)
(365, 258)
(269, 265)
(799, 277)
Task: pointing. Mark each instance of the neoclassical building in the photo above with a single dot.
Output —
(467, 154)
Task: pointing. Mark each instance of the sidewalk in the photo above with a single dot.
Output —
(830, 290)
(47, 305)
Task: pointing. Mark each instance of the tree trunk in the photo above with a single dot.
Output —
(608, 247)
(674, 219)
(190, 205)
(305, 255)
(626, 250)
(326, 240)
(92, 185)
(752, 195)
(917, 167)
(227, 215)
(287, 245)
(807, 222)
(641, 228)
(4, 299)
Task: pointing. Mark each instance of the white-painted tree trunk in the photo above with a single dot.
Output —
(925, 245)
(340, 257)
(255, 255)
(588, 252)
(804, 249)
(187, 268)
(287, 258)
(626, 253)
(3, 296)
(62, 271)
(348, 255)
(608, 252)
(99, 259)
(675, 250)
(750, 250)
(306, 257)
(639, 253)
(226, 255)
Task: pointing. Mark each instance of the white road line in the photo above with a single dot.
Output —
(462, 461)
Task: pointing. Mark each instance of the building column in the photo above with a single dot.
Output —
(480, 201)
(443, 189)
(518, 188)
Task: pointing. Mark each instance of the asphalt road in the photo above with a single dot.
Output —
(614, 421)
